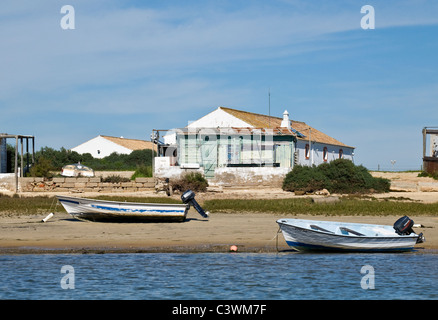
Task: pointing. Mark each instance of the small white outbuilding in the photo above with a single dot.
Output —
(102, 146)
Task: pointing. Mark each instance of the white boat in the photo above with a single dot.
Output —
(305, 235)
(114, 211)
(76, 170)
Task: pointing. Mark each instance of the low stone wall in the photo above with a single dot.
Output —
(249, 176)
(84, 185)
(7, 181)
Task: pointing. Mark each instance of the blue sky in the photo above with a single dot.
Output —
(132, 66)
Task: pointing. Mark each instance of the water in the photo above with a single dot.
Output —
(219, 276)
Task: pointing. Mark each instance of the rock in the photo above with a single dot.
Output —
(323, 192)
(325, 199)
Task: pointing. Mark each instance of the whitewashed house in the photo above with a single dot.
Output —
(102, 146)
(235, 145)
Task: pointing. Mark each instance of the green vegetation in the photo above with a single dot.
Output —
(42, 205)
(142, 172)
(17, 206)
(42, 168)
(338, 176)
(115, 179)
(14, 205)
(346, 206)
(194, 181)
(49, 159)
(430, 175)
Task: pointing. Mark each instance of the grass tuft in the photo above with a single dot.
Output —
(17, 206)
(346, 206)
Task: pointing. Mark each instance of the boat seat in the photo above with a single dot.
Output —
(347, 231)
(315, 227)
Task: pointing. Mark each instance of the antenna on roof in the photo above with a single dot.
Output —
(269, 112)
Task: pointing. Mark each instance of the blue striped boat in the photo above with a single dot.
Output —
(113, 211)
(304, 235)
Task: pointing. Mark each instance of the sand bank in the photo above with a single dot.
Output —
(250, 232)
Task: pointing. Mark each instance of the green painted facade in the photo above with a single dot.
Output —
(211, 149)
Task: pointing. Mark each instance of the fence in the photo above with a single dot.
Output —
(82, 184)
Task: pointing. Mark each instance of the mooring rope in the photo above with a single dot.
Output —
(51, 205)
(276, 238)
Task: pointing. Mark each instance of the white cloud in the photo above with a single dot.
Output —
(178, 58)
(112, 45)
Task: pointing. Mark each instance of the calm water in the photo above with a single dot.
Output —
(229, 276)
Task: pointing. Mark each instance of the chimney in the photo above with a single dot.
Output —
(285, 123)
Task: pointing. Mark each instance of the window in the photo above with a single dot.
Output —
(325, 154)
(229, 150)
(307, 151)
(341, 153)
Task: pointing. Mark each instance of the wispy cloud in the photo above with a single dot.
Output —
(113, 44)
(155, 58)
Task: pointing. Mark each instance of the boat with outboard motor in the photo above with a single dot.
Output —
(115, 211)
(303, 235)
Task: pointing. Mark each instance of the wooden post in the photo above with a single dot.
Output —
(21, 158)
(33, 150)
(27, 153)
(16, 163)
(424, 142)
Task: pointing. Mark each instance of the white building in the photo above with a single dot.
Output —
(228, 140)
(102, 146)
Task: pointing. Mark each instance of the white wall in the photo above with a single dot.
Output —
(214, 119)
(317, 151)
(163, 169)
(252, 176)
(218, 118)
(100, 147)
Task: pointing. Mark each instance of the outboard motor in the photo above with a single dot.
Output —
(403, 226)
(189, 198)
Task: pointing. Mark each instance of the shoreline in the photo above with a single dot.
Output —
(250, 232)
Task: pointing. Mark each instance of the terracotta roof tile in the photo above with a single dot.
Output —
(132, 144)
(264, 121)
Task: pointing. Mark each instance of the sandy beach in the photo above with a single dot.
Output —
(250, 232)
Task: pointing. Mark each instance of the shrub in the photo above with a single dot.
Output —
(430, 175)
(142, 172)
(115, 179)
(345, 177)
(303, 178)
(381, 185)
(42, 168)
(338, 176)
(194, 181)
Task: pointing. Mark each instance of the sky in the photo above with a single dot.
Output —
(129, 67)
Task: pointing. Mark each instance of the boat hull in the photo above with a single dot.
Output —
(113, 211)
(302, 238)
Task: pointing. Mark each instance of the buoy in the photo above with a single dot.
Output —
(233, 248)
(48, 217)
